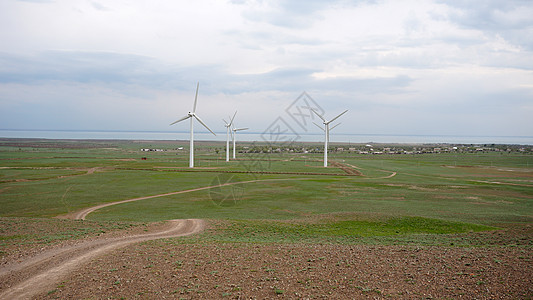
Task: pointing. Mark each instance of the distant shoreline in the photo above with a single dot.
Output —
(251, 136)
(34, 142)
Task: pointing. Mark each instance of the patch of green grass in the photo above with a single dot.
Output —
(54, 197)
(10, 237)
(40, 231)
(51, 291)
(382, 230)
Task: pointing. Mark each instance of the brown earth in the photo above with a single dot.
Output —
(197, 269)
(27, 277)
(170, 269)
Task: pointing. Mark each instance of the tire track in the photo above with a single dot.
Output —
(43, 272)
(81, 215)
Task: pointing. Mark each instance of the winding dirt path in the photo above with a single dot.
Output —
(81, 215)
(41, 273)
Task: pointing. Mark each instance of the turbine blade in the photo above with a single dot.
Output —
(335, 126)
(184, 118)
(337, 117)
(239, 129)
(201, 122)
(316, 113)
(321, 128)
(226, 123)
(231, 121)
(196, 97)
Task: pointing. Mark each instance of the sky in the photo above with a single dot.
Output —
(398, 67)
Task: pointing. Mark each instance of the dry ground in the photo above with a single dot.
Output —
(177, 269)
(32, 274)
(168, 270)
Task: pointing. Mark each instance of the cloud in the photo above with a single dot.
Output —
(87, 67)
(493, 14)
(36, 1)
(99, 6)
(298, 14)
(398, 66)
(510, 20)
(291, 14)
(113, 69)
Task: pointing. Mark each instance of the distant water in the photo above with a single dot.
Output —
(246, 136)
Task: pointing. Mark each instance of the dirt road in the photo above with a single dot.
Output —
(45, 271)
(81, 215)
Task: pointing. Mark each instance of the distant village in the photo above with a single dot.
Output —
(369, 149)
(378, 150)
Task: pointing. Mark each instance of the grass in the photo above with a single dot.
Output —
(413, 231)
(24, 174)
(48, 198)
(412, 197)
(42, 231)
(330, 230)
(293, 199)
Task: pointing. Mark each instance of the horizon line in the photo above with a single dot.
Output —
(256, 132)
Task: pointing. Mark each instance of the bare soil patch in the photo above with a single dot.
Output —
(21, 238)
(32, 275)
(169, 269)
(196, 268)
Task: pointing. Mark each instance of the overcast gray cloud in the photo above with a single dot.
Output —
(509, 20)
(400, 67)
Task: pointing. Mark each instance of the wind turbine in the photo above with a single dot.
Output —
(228, 129)
(326, 131)
(192, 115)
(233, 136)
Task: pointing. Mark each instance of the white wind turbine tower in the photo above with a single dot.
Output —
(228, 129)
(192, 115)
(326, 131)
(233, 136)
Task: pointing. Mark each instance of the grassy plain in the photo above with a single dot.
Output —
(398, 198)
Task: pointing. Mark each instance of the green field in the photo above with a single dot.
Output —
(292, 197)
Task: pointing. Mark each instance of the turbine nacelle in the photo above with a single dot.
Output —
(192, 115)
